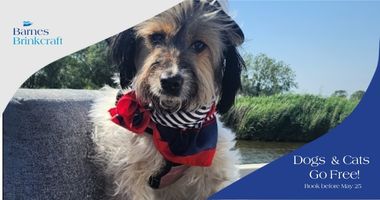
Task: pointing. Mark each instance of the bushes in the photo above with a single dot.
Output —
(287, 117)
(90, 68)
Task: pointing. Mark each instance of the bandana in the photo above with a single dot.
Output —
(187, 138)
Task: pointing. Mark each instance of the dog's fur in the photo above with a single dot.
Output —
(197, 42)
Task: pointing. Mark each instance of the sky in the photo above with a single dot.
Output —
(331, 45)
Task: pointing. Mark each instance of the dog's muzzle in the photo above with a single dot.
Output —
(171, 85)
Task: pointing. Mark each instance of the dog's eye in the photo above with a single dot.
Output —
(198, 46)
(157, 38)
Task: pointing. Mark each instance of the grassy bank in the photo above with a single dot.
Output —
(287, 117)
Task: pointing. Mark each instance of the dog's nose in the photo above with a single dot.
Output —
(171, 84)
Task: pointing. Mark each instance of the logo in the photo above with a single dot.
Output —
(26, 23)
(34, 36)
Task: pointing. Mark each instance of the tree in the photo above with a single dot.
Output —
(357, 95)
(89, 68)
(266, 76)
(340, 93)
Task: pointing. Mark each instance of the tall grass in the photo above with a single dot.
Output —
(287, 117)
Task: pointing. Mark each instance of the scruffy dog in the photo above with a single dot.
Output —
(163, 140)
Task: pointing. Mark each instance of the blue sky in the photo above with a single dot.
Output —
(330, 45)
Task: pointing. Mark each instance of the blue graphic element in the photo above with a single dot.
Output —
(26, 23)
(358, 135)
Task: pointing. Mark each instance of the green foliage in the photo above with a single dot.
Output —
(357, 95)
(266, 76)
(286, 117)
(340, 93)
(90, 68)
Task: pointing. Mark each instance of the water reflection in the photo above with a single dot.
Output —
(264, 152)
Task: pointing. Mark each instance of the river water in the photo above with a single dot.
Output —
(264, 152)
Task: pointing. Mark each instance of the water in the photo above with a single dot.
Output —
(264, 152)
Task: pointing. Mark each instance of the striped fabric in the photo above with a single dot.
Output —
(183, 120)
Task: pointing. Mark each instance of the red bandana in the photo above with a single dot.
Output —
(194, 146)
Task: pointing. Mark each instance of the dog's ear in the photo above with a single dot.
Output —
(233, 64)
(122, 50)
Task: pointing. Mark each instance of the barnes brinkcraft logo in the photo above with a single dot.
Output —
(28, 35)
(26, 23)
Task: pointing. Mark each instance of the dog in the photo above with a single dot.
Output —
(175, 67)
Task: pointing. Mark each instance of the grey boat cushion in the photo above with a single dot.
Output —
(47, 147)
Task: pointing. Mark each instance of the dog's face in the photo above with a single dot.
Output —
(179, 59)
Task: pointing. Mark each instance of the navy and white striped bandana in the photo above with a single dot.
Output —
(182, 119)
